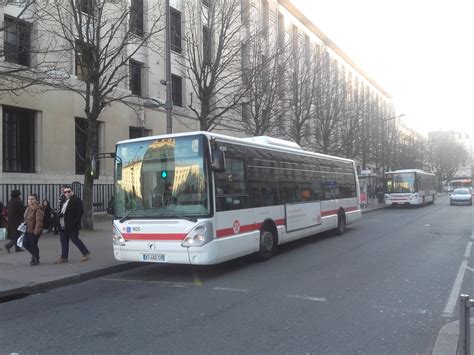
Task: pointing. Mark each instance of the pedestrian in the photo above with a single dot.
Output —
(33, 218)
(57, 211)
(48, 211)
(16, 209)
(70, 224)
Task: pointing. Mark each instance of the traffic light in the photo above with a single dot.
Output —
(164, 174)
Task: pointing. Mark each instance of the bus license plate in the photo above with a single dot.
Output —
(153, 257)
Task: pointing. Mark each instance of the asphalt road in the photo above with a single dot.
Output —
(385, 287)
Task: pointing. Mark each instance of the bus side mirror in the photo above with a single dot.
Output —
(218, 160)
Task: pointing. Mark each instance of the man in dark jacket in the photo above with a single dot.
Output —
(57, 210)
(16, 209)
(70, 224)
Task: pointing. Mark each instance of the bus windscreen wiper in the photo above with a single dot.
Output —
(124, 218)
(192, 219)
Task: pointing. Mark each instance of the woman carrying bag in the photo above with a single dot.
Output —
(34, 221)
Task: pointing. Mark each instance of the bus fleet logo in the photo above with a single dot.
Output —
(236, 227)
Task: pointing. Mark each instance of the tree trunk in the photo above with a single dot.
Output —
(87, 219)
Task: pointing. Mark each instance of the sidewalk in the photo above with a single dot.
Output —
(447, 340)
(18, 278)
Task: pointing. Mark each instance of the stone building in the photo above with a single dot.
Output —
(42, 127)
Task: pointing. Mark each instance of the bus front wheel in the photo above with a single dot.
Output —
(341, 223)
(267, 245)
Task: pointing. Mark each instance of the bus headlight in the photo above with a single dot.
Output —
(199, 236)
(117, 237)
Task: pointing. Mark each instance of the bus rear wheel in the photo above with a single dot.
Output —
(341, 223)
(267, 245)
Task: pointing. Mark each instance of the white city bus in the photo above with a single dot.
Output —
(409, 187)
(203, 198)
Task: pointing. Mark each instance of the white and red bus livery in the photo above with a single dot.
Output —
(409, 187)
(203, 198)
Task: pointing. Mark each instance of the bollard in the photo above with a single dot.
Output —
(464, 325)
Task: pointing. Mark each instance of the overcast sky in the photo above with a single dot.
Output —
(420, 51)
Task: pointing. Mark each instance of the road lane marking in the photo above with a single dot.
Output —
(230, 289)
(468, 250)
(453, 297)
(309, 298)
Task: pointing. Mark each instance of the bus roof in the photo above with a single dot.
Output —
(260, 141)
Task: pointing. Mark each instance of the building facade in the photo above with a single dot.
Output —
(43, 126)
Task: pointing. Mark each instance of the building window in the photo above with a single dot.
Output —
(175, 24)
(137, 132)
(84, 60)
(136, 17)
(18, 140)
(17, 41)
(86, 6)
(80, 145)
(136, 77)
(177, 93)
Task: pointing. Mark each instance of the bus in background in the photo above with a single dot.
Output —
(460, 183)
(203, 198)
(409, 187)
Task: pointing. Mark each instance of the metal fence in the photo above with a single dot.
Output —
(102, 193)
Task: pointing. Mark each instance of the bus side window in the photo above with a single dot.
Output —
(231, 190)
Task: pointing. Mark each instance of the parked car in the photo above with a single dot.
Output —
(460, 197)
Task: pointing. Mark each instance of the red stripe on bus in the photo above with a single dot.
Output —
(153, 236)
(334, 212)
(226, 232)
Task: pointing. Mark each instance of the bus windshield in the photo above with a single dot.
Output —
(400, 182)
(162, 178)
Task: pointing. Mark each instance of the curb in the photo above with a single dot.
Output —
(24, 291)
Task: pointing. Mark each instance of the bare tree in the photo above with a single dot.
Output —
(330, 97)
(351, 125)
(26, 64)
(103, 37)
(445, 157)
(212, 60)
(302, 72)
(263, 64)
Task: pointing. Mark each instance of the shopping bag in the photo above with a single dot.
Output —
(3, 233)
(22, 227)
(19, 242)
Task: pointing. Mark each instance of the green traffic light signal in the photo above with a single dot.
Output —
(164, 174)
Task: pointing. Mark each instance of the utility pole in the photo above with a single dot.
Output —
(169, 98)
